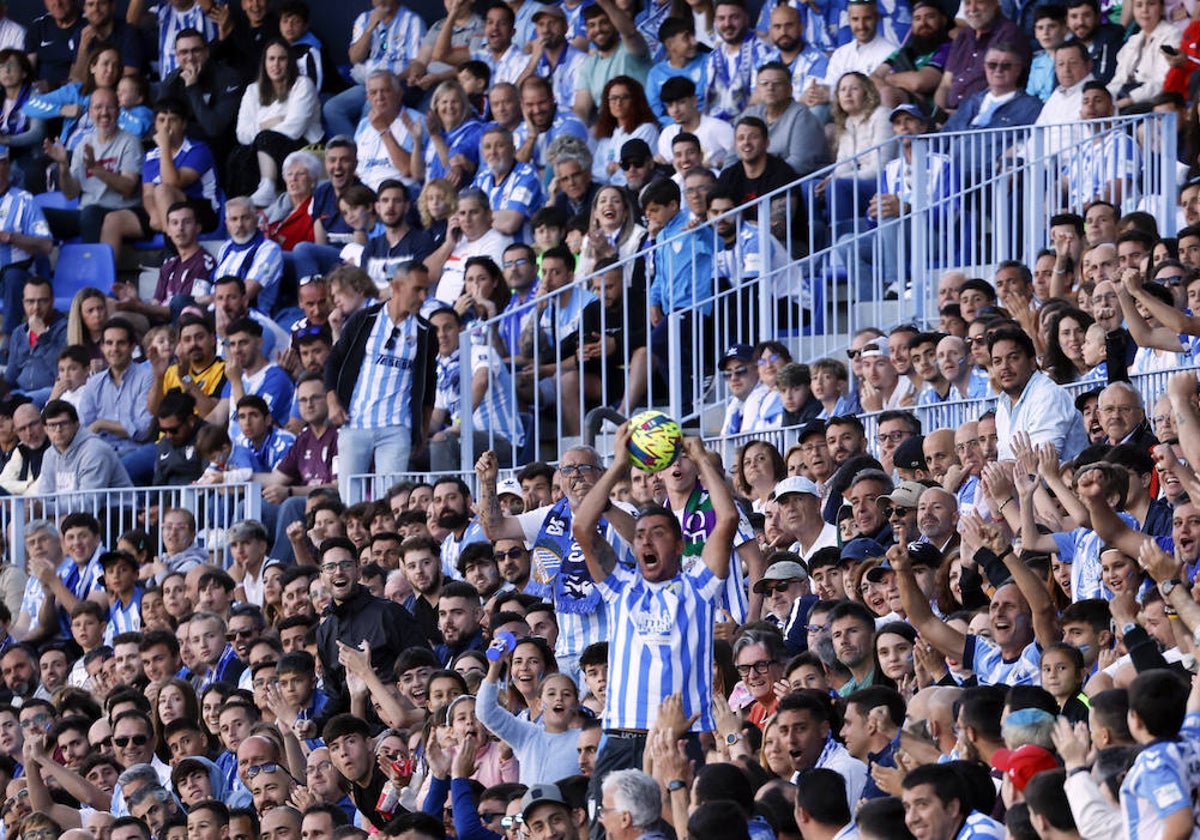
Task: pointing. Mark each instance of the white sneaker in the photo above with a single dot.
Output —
(265, 194)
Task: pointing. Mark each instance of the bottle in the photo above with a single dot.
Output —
(502, 644)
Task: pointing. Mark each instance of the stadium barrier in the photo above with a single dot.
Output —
(215, 507)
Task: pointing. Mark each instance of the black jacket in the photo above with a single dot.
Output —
(385, 625)
(214, 101)
(347, 359)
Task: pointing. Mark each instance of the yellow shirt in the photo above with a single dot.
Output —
(211, 379)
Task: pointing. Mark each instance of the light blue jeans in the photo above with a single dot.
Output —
(387, 448)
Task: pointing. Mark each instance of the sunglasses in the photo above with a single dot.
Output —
(311, 331)
(509, 823)
(254, 769)
(632, 164)
(239, 634)
(853, 354)
(772, 588)
(138, 740)
(890, 509)
(511, 554)
(739, 371)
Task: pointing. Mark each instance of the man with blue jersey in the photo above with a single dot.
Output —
(683, 58)
(381, 377)
(513, 188)
(543, 121)
(661, 619)
(1022, 616)
(937, 807)
(247, 371)
(24, 234)
(259, 446)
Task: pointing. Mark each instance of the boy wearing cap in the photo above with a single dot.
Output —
(682, 104)
(752, 407)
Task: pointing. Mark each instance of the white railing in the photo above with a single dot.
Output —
(947, 415)
(975, 199)
(215, 507)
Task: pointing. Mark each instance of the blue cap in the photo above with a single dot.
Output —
(910, 109)
(860, 548)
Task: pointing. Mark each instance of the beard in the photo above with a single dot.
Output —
(452, 520)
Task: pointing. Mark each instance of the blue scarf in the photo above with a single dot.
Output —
(17, 122)
(558, 561)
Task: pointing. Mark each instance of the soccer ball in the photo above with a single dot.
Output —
(655, 441)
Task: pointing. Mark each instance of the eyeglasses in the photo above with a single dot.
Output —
(759, 667)
(960, 448)
(633, 164)
(487, 817)
(514, 263)
(739, 372)
(999, 65)
(320, 767)
(511, 554)
(58, 424)
(335, 565)
(812, 448)
(816, 628)
(509, 823)
(40, 834)
(23, 793)
(578, 469)
(31, 425)
(103, 743)
(137, 740)
(254, 769)
(890, 437)
(36, 721)
(768, 358)
(169, 431)
(888, 510)
(780, 586)
(1123, 410)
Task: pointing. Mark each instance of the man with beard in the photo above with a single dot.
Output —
(1030, 401)
(939, 452)
(801, 60)
(915, 69)
(357, 619)
(1102, 38)
(553, 57)
(732, 63)
(937, 519)
(559, 570)
(512, 186)
(786, 599)
(452, 504)
(459, 614)
(478, 566)
(19, 673)
(543, 120)
(248, 254)
(964, 70)
(852, 630)
(691, 503)
(419, 558)
(618, 50)
(794, 134)
(198, 373)
(399, 243)
(803, 724)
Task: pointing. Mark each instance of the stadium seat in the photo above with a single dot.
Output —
(56, 200)
(81, 265)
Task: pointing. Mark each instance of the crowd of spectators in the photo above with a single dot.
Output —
(976, 628)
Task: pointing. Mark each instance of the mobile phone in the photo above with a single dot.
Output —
(1169, 50)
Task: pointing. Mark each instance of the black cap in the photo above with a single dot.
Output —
(1082, 399)
(813, 427)
(910, 454)
(635, 151)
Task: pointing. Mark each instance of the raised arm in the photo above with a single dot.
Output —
(497, 525)
(1045, 615)
(1145, 335)
(1105, 522)
(1181, 390)
(718, 549)
(596, 551)
(935, 631)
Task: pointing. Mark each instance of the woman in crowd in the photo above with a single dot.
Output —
(1063, 361)
(1142, 63)
(290, 219)
(860, 122)
(89, 311)
(70, 102)
(436, 205)
(625, 114)
(452, 145)
(613, 232)
(19, 132)
(279, 114)
(762, 468)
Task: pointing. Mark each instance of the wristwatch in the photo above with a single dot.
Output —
(732, 738)
(676, 784)
(1167, 585)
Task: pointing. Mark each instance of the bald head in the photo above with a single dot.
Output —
(27, 421)
(939, 452)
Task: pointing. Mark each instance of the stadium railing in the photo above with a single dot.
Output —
(979, 198)
(215, 507)
(947, 415)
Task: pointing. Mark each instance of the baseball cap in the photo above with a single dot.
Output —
(875, 575)
(783, 570)
(738, 353)
(910, 454)
(1082, 399)
(635, 151)
(111, 558)
(553, 10)
(814, 427)
(875, 347)
(860, 548)
(1023, 763)
(538, 794)
(905, 495)
(908, 107)
(794, 484)
(509, 487)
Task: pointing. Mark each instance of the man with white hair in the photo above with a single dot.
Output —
(1123, 415)
(248, 254)
(956, 367)
(632, 805)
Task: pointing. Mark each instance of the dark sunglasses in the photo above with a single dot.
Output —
(138, 740)
(511, 554)
(633, 164)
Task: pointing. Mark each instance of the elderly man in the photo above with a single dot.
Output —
(800, 516)
(249, 254)
(513, 188)
(785, 587)
(865, 488)
(471, 235)
(24, 465)
(964, 74)
(1123, 417)
(383, 140)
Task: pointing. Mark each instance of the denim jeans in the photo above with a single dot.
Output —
(343, 111)
(387, 448)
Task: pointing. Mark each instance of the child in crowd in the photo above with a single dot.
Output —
(1062, 676)
(136, 116)
(436, 205)
(306, 47)
(1050, 30)
(214, 446)
(357, 206)
(577, 230)
(549, 228)
(476, 78)
(74, 366)
(162, 339)
(594, 664)
(829, 381)
(794, 383)
(1094, 354)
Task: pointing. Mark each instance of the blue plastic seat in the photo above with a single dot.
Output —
(56, 200)
(79, 266)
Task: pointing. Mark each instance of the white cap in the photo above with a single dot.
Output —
(509, 487)
(795, 484)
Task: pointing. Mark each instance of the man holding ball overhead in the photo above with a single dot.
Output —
(660, 619)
